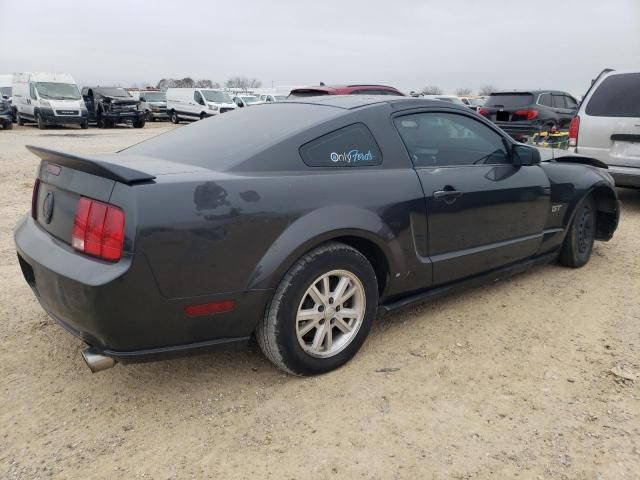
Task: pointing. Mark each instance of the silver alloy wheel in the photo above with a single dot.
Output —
(330, 313)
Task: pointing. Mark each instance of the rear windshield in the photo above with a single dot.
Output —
(223, 141)
(509, 100)
(616, 96)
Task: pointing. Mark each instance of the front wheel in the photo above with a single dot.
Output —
(321, 312)
(41, 123)
(174, 118)
(19, 119)
(578, 243)
(139, 123)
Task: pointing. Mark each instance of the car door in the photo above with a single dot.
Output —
(483, 211)
(560, 107)
(197, 105)
(32, 101)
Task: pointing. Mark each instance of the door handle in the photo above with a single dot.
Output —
(448, 195)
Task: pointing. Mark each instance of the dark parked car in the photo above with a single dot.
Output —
(108, 106)
(296, 222)
(344, 90)
(6, 114)
(521, 114)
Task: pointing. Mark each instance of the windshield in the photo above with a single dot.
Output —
(114, 92)
(509, 100)
(280, 98)
(249, 99)
(154, 96)
(5, 91)
(58, 91)
(216, 96)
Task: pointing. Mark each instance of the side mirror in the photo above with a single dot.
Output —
(524, 155)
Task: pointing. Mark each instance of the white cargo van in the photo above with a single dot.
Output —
(197, 103)
(48, 99)
(607, 126)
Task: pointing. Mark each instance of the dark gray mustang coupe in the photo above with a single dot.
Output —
(296, 222)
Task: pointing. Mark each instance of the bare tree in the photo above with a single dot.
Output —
(186, 82)
(243, 83)
(204, 83)
(431, 90)
(463, 92)
(486, 90)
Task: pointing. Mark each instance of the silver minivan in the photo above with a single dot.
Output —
(607, 126)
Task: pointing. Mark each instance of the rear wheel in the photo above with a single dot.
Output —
(41, 123)
(321, 312)
(174, 117)
(8, 126)
(578, 244)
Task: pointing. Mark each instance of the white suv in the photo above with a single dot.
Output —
(607, 126)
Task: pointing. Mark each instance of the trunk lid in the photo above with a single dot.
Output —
(508, 107)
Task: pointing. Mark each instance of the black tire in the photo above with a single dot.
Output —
(148, 116)
(139, 123)
(100, 121)
(276, 333)
(19, 119)
(203, 116)
(41, 123)
(174, 118)
(8, 126)
(578, 243)
(84, 125)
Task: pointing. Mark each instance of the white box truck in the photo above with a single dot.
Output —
(48, 99)
(197, 103)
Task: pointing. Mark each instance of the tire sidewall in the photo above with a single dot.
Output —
(286, 308)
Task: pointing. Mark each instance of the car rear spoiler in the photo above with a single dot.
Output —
(92, 165)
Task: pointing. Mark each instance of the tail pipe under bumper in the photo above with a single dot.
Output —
(96, 361)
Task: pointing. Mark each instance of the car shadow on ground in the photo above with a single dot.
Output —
(630, 199)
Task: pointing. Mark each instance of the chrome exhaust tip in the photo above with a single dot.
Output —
(96, 361)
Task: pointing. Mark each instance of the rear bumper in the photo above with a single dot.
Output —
(625, 176)
(519, 130)
(117, 307)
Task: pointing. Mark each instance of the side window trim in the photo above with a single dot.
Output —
(508, 144)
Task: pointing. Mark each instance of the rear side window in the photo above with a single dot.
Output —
(616, 96)
(558, 101)
(373, 92)
(571, 103)
(352, 146)
(509, 100)
(545, 99)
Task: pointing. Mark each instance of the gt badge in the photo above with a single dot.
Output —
(556, 208)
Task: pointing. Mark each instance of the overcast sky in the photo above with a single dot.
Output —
(511, 44)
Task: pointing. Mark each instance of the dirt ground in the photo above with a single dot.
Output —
(513, 380)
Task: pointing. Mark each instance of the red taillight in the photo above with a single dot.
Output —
(484, 112)
(210, 308)
(530, 113)
(98, 229)
(574, 129)
(34, 199)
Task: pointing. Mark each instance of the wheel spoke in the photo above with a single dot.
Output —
(310, 314)
(339, 291)
(325, 286)
(328, 336)
(318, 339)
(342, 325)
(347, 313)
(348, 294)
(308, 327)
(316, 295)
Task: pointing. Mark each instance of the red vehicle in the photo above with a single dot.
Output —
(344, 90)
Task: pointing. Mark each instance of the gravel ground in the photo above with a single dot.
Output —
(533, 377)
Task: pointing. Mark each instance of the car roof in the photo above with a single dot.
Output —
(537, 91)
(351, 102)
